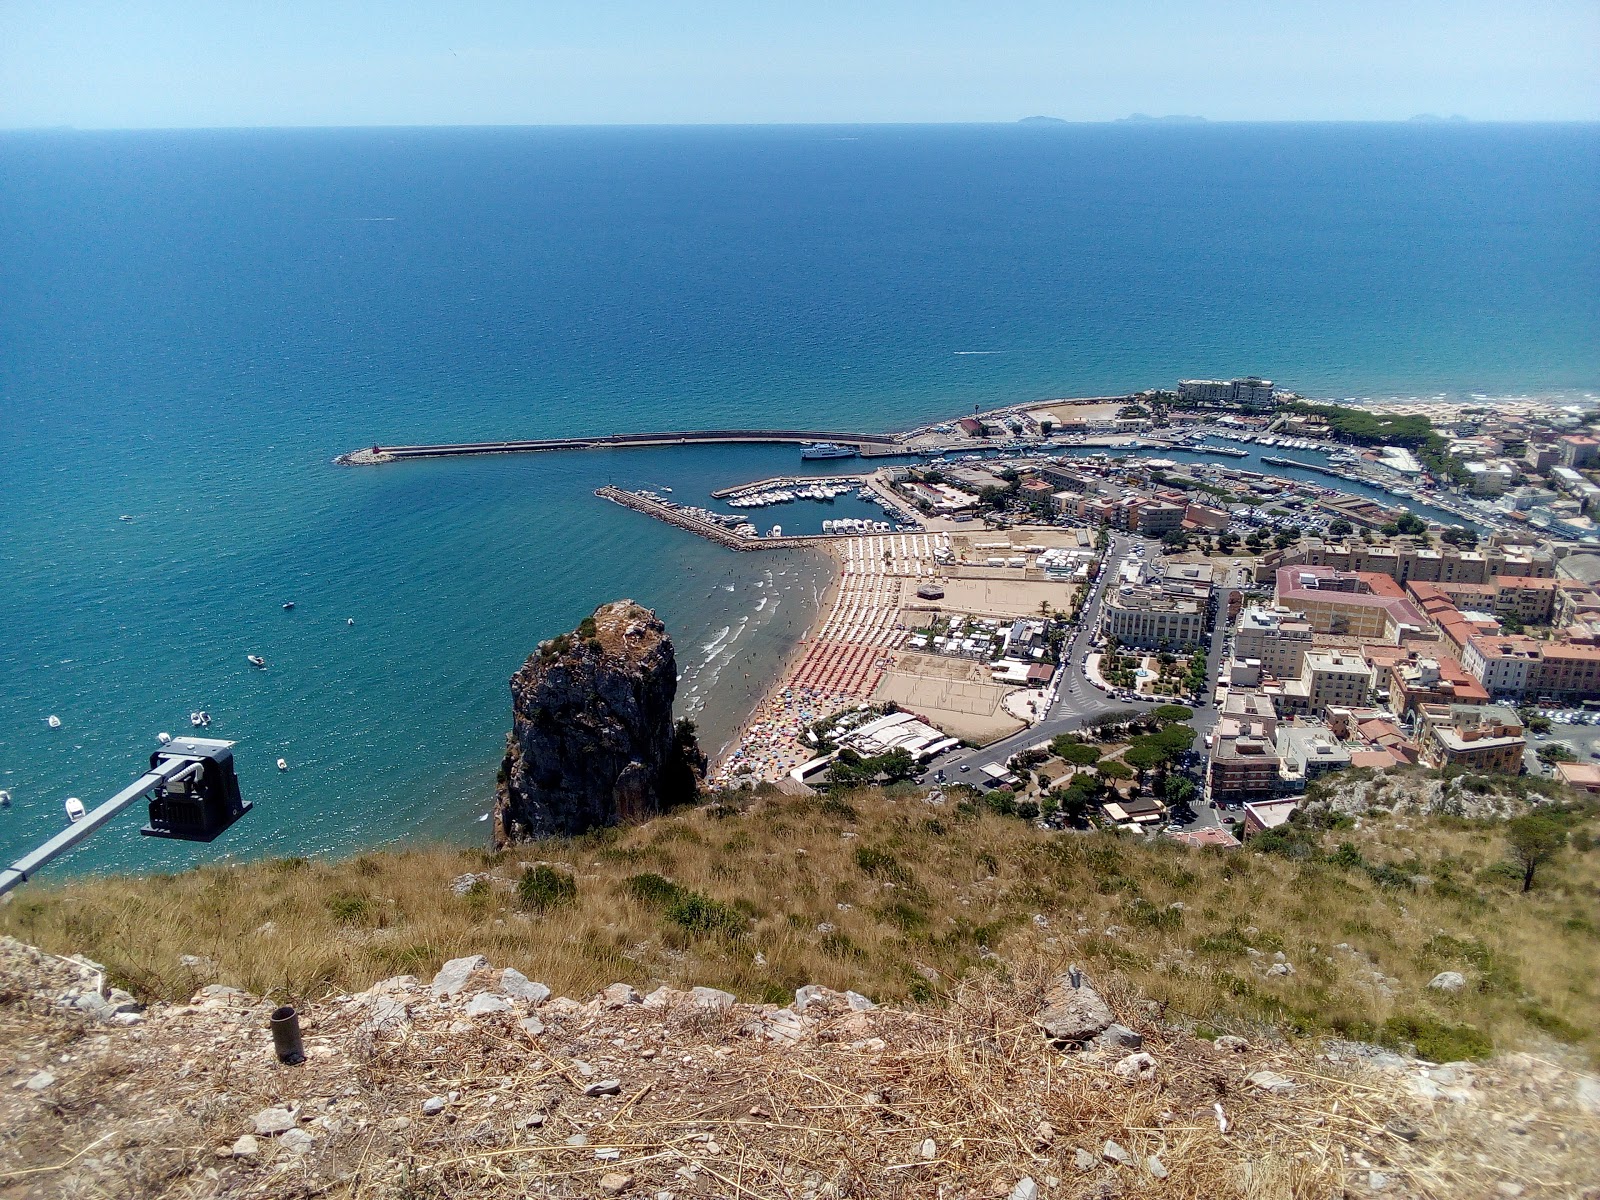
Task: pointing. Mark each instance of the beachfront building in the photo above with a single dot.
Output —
(1276, 637)
(1249, 393)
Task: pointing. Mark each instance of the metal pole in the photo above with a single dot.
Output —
(24, 867)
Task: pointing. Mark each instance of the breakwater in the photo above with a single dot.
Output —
(866, 444)
(683, 518)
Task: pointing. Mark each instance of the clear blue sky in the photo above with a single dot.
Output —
(136, 63)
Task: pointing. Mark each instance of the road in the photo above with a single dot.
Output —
(1078, 700)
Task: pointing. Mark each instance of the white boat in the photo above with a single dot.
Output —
(200, 719)
(5, 798)
(75, 810)
(164, 738)
(349, 620)
(283, 764)
(288, 606)
(53, 721)
(255, 660)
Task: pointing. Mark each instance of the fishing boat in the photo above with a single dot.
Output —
(288, 605)
(75, 809)
(53, 721)
(255, 660)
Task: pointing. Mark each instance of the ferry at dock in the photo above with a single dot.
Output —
(827, 450)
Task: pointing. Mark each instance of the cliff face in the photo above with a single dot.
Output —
(592, 740)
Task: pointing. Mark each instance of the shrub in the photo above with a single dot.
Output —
(692, 911)
(542, 888)
(875, 862)
(1436, 1040)
(350, 908)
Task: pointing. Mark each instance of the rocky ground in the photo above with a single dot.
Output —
(479, 1083)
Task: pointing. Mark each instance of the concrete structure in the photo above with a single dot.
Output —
(1244, 756)
(1578, 450)
(1306, 752)
(1277, 637)
(1558, 671)
(1416, 680)
(1403, 561)
(1248, 393)
(1474, 737)
(1357, 604)
(1262, 815)
(1329, 679)
(1583, 776)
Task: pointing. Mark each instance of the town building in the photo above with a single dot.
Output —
(1328, 678)
(1354, 603)
(1277, 638)
(1415, 681)
(1249, 393)
(1244, 759)
(1306, 752)
(1474, 737)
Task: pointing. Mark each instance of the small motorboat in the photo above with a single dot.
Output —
(288, 605)
(124, 517)
(349, 620)
(200, 719)
(485, 816)
(53, 721)
(164, 738)
(255, 660)
(283, 764)
(75, 810)
(5, 798)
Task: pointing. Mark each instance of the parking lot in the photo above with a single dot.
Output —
(1575, 729)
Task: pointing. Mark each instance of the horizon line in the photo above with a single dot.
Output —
(1137, 120)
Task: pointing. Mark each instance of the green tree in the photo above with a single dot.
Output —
(1535, 839)
(1114, 770)
(1555, 752)
(1341, 528)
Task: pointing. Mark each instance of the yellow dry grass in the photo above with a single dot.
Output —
(901, 900)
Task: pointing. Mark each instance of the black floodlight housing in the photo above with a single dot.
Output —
(198, 796)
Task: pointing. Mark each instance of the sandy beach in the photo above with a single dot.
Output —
(841, 662)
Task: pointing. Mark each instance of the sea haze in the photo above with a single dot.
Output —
(193, 324)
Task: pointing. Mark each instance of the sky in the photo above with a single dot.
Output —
(212, 63)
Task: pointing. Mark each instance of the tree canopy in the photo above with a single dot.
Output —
(1535, 839)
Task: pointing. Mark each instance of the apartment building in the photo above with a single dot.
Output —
(1415, 681)
(1403, 561)
(1519, 666)
(1244, 754)
(1478, 738)
(1277, 637)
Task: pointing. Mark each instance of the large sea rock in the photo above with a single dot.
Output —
(592, 740)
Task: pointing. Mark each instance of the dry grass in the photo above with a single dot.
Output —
(902, 901)
(708, 1112)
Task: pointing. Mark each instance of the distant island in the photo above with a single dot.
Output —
(1042, 121)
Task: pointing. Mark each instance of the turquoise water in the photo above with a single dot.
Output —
(193, 324)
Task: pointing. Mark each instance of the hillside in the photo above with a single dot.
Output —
(1339, 932)
(482, 1085)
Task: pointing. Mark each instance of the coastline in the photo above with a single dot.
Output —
(771, 696)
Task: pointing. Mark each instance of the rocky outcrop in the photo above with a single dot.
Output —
(592, 740)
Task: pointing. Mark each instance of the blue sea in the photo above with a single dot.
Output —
(193, 324)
